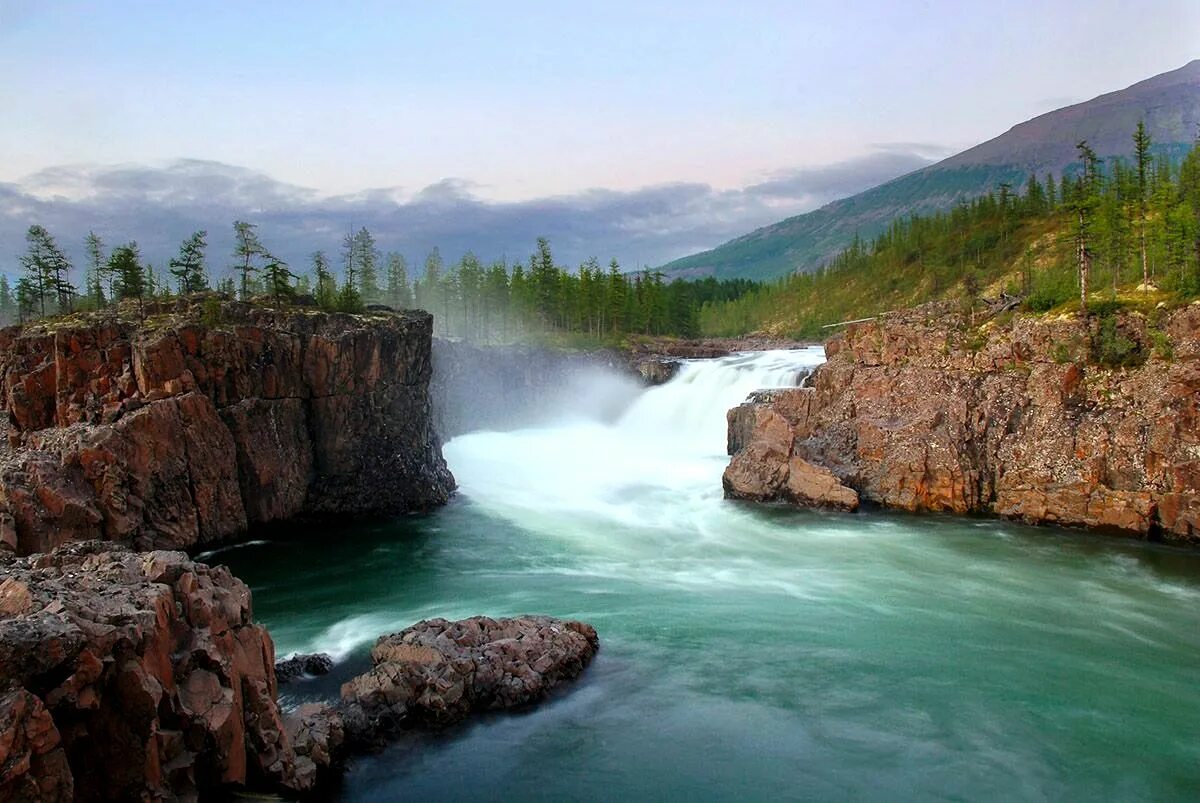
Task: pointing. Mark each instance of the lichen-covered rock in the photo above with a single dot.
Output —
(437, 672)
(920, 411)
(133, 676)
(178, 432)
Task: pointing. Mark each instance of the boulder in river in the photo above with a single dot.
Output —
(300, 665)
(437, 672)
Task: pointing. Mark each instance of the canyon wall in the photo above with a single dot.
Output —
(209, 416)
(1027, 418)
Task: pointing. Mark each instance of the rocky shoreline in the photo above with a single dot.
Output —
(142, 675)
(920, 410)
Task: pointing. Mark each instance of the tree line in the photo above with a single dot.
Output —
(1107, 227)
(496, 302)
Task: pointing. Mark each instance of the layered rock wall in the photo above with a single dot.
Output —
(187, 427)
(921, 411)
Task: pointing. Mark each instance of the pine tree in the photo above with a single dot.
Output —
(278, 278)
(29, 298)
(188, 266)
(1141, 152)
(1084, 201)
(350, 261)
(125, 264)
(399, 292)
(96, 270)
(326, 289)
(7, 302)
(246, 249)
(367, 258)
(48, 269)
(430, 289)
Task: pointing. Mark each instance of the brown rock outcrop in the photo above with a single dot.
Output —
(918, 410)
(142, 676)
(133, 676)
(176, 432)
(437, 672)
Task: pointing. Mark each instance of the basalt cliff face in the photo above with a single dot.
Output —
(920, 411)
(205, 418)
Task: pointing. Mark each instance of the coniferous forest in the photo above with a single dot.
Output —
(1125, 229)
(1121, 231)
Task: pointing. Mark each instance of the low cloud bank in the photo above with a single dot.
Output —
(159, 206)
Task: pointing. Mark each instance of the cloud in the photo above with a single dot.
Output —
(160, 206)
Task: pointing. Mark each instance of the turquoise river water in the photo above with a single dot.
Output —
(755, 652)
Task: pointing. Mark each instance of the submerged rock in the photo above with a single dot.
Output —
(657, 370)
(437, 672)
(300, 664)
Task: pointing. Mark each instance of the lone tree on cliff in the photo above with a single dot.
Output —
(246, 248)
(188, 267)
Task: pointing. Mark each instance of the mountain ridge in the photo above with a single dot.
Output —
(1169, 103)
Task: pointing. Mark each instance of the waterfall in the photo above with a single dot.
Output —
(659, 464)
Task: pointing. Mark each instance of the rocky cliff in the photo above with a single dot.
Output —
(211, 415)
(1027, 418)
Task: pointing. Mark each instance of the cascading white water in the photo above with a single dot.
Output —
(656, 466)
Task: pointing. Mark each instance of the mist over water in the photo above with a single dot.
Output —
(756, 652)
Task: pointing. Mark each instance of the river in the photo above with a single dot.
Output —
(755, 652)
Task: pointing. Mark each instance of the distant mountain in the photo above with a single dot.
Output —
(1169, 103)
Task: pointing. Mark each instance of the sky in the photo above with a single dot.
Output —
(683, 123)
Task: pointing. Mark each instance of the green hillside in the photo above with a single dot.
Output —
(1168, 103)
(1024, 243)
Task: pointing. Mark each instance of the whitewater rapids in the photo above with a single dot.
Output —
(658, 465)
